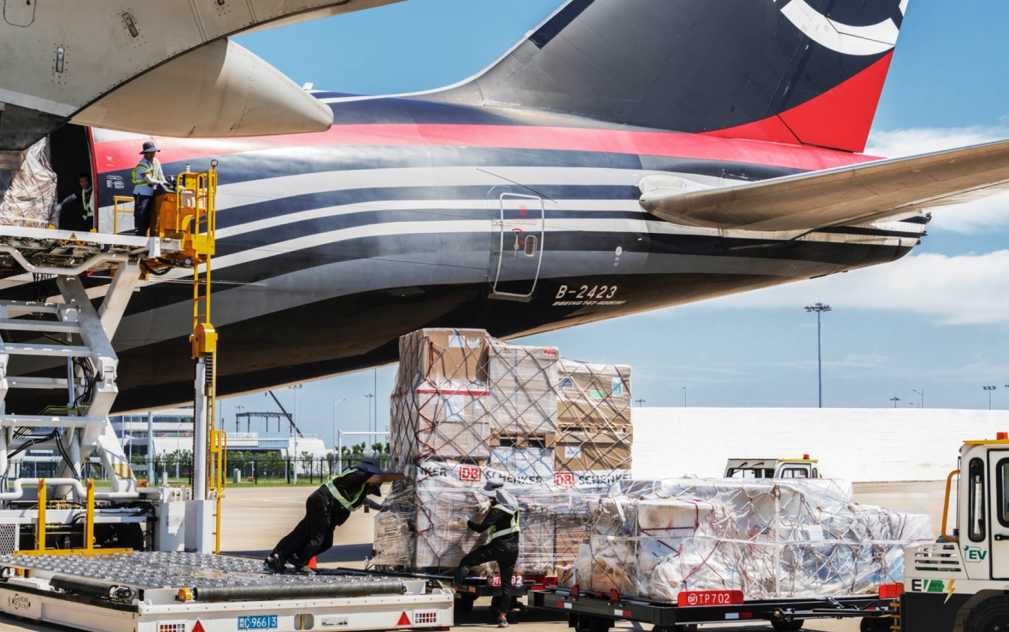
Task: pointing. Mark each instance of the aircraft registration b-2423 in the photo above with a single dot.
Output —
(627, 155)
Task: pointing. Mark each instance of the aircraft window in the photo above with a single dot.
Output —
(1002, 491)
(531, 245)
(975, 501)
(795, 472)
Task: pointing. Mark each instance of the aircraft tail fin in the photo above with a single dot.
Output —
(792, 71)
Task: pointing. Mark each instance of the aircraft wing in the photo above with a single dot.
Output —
(847, 195)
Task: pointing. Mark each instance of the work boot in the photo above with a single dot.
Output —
(274, 563)
(306, 570)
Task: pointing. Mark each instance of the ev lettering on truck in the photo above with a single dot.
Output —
(974, 555)
(933, 586)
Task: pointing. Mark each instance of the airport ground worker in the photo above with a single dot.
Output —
(77, 210)
(147, 177)
(503, 547)
(327, 508)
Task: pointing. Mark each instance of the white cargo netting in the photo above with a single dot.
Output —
(468, 409)
(765, 538)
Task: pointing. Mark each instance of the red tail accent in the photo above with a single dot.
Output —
(837, 119)
(198, 627)
(403, 619)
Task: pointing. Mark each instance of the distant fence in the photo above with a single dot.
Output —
(268, 470)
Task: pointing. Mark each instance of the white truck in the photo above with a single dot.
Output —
(961, 582)
(773, 468)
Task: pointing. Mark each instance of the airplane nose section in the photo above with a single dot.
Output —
(218, 90)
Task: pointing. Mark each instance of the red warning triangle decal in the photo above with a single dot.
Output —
(403, 619)
(198, 627)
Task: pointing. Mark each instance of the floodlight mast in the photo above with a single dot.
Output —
(819, 308)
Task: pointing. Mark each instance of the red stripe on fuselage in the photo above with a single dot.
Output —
(122, 154)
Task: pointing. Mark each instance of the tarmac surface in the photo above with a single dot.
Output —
(255, 518)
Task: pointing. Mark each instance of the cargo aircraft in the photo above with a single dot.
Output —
(627, 155)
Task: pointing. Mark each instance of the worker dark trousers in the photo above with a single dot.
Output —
(310, 537)
(506, 553)
(142, 213)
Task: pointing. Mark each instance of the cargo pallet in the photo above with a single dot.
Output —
(183, 592)
(597, 612)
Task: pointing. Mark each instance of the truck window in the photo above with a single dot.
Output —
(1002, 491)
(975, 501)
(795, 472)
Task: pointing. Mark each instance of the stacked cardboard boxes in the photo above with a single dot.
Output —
(469, 408)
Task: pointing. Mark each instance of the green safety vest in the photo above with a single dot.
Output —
(514, 528)
(87, 203)
(347, 504)
(154, 166)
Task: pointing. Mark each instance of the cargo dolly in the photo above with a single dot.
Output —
(193, 592)
(597, 612)
(475, 587)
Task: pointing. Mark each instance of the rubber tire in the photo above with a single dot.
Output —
(989, 616)
(875, 624)
(464, 603)
(787, 625)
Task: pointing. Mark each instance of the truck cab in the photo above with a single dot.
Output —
(961, 581)
(772, 468)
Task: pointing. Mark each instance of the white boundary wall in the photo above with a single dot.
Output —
(857, 444)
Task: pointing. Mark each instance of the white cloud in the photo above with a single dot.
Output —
(970, 218)
(961, 290)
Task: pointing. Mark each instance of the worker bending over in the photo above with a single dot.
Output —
(327, 508)
(503, 547)
(147, 177)
(77, 210)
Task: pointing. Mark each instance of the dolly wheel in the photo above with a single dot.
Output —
(875, 624)
(464, 603)
(989, 616)
(787, 624)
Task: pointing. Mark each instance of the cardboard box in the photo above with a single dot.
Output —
(454, 439)
(536, 545)
(521, 381)
(456, 356)
(580, 452)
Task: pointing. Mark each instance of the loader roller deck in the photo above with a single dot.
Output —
(173, 591)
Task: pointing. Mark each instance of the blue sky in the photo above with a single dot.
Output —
(934, 322)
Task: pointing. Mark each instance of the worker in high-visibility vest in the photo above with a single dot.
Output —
(503, 522)
(77, 210)
(327, 508)
(147, 177)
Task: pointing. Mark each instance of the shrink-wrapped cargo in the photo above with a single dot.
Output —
(766, 538)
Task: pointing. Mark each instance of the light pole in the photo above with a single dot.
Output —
(239, 408)
(989, 389)
(639, 402)
(294, 428)
(819, 308)
(684, 396)
(894, 400)
(922, 393)
(370, 396)
(335, 402)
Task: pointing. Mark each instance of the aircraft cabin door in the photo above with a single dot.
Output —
(517, 246)
(998, 464)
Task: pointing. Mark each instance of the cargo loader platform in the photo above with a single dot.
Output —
(183, 592)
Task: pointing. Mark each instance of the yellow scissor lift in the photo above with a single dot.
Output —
(182, 236)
